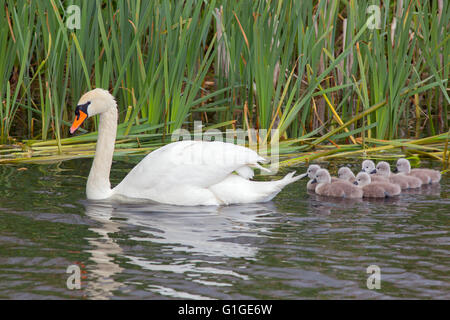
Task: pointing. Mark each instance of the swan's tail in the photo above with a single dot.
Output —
(289, 178)
(237, 189)
(272, 188)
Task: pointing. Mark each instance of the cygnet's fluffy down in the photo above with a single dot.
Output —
(426, 176)
(376, 189)
(346, 174)
(368, 166)
(312, 169)
(404, 181)
(340, 188)
(311, 185)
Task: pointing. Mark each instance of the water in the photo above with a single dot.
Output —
(297, 246)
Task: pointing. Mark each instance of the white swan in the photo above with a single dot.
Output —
(180, 173)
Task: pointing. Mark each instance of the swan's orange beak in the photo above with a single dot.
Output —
(79, 119)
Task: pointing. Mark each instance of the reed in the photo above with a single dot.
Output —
(315, 70)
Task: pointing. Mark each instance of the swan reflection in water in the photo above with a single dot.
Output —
(100, 282)
(192, 232)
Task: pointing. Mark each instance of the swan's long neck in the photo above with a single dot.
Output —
(98, 186)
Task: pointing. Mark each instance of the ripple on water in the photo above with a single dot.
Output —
(298, 246)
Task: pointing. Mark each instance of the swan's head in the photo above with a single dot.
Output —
(312, 169)
(345, 173)
(368, 166)
(94, 102)
(362, 179)
(322, 176)
(384, 169)
(403, 166)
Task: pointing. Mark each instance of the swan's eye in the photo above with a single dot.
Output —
(83, 108)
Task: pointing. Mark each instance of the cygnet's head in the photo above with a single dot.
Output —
(322, 176)
(403, 166)
(94, 102)
(312, 169)
(384, 169)
(345, 173)
(368, 166)
(362, 179)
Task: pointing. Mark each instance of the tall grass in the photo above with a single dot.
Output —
(308, 68)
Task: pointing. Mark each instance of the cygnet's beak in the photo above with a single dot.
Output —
(395, 170)
(355, 183)
(373, 171)
(314, 181)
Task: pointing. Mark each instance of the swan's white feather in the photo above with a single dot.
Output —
(245, 172)
(181, 173)
(235, 189)
(198, 173)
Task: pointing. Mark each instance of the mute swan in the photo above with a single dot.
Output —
(340, 188)
(368, 166)
(180, 173)
(404, 181)
(376, 189)
(427, 176)
(311, 172)
(346, 174)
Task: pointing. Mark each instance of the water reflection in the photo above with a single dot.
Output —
(430, 189)
(102, 253)
(198, 234)
(299, 246)
(327, 205)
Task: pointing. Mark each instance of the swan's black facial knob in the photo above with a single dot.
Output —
(81, 114)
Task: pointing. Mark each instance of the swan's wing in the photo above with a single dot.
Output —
(194, 163)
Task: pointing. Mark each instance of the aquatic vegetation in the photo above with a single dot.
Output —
(318, 71)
